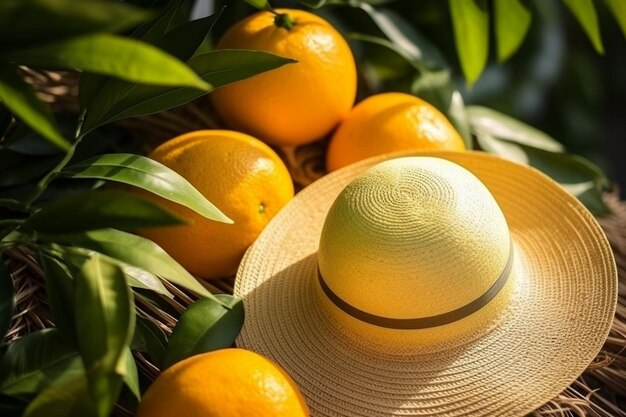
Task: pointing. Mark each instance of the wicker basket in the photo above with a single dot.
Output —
(599, 392)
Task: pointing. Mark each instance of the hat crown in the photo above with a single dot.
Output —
(413, 237)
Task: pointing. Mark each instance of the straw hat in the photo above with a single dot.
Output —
(436, 284)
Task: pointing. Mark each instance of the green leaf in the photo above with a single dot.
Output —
(110, 55)
(25, 21)
(153, 338)
(217, 68)
(104, 328)
(501, 126)
(577, 175)
(259, 4)
(512, 21)
(25, 141)
(136, 251)
(205, 326)
(36, 361)
(406, 40)
(69, 399)
(20, 98)
(61, 293)
(470, 20)
(149, 175)
(131, 377)
(618, 9)
(585, 12)
(183, 41)
(7, 300)
(99, 209)
(75, 257)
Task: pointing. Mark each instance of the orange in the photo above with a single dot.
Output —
(390, 122)
(223, 383)
(242, 176)
(299, 102)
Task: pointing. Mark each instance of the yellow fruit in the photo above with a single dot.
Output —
(224, 383)
(242, 176)
(390, 122)
(297, 103)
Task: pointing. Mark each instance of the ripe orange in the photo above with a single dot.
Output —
(224, 383)
(242, 176)
(297, 103)
(390, 122)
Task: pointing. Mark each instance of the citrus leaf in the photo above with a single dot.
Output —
(136, 251)
(585, 12)
(36, 361)
(259, 4)
(217, 68)
(501, 126)
(470, 20)
(405, 39)
(183, 41)
(110, 55)
(7, 299)
(129, 371)
(98, 209)
(135, 277)
(150, 32)
(153, 339)
(104, 328)
(577, 175)
(512, 21)
(20, 98)
(618, 9)
(25, 21)
(205, 326)
(69, 399)
(61, 293)
(149, 175)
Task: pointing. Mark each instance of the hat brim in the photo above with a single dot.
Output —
(557, 323)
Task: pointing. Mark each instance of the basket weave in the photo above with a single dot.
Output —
(599, 392)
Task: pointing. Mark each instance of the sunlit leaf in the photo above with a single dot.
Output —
(99, 209)
(501, 126)
(75, 257)
(109, 55)
(217, 68)
(512, 21)
(20, 98)
(259, 4)
(104, 328)
(585, 13)
(25, 21)
(618, 9)
(149, 175)
(136, 251)
(577, 175)
(470, 21)
(205, 326)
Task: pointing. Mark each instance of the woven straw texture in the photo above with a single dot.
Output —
(560, 314)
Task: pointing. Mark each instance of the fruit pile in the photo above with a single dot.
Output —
(297, 104)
